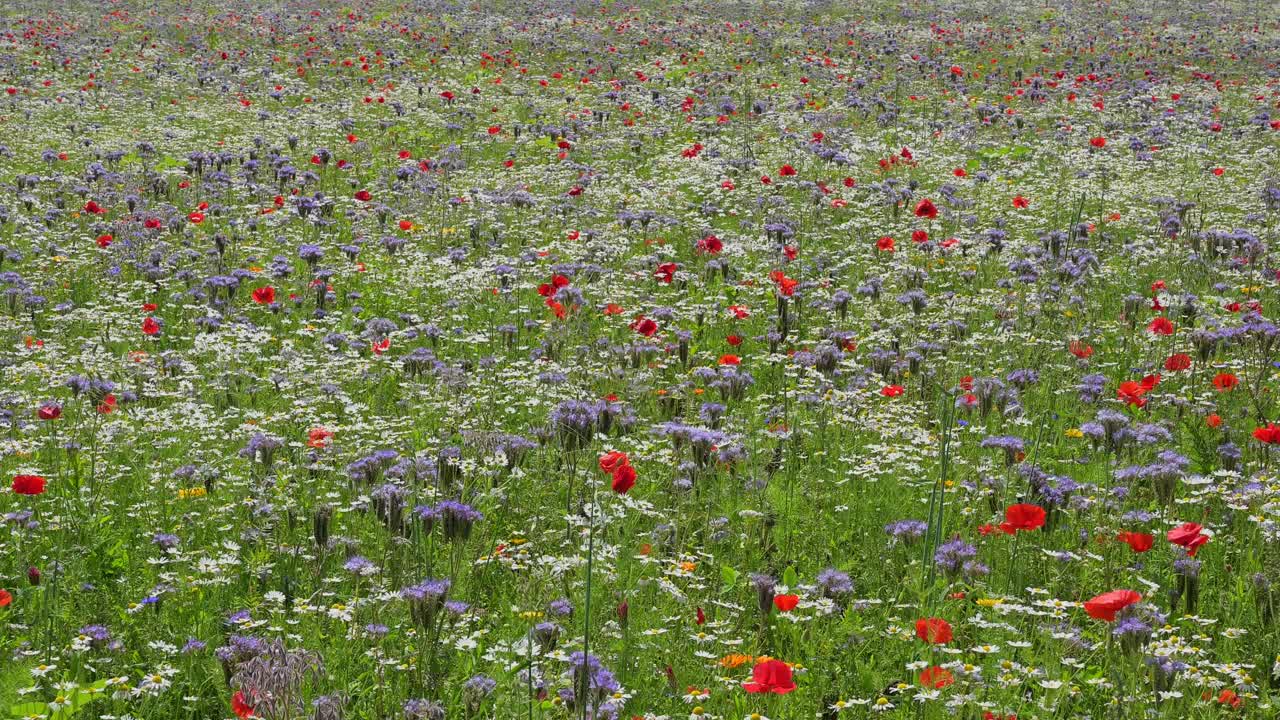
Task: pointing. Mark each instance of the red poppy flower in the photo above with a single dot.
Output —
(1138, 542)
(1022, 516)
(892, 390)
(1177, 362)
(919, 236)
(611, 461)
(926, 209)
(885, 244)
(1229, 697)
(196, 217)
(1080, 350)
(1269, 435)
(1131, 392)
(934, 631)
(936, 678)
(710, 245)
(730, 360)
(786, 171)
(665, 272)
(108, 405)
(104, 240)
(364, 195)
(786, 603)
(770, 676)
(1225, 382)
(645, 326)
(624, 478)
(49, 412)
(1098, 142)
(5, 598)
(1106, 605)
(1160, 326)
(786, 285)
(318, 437)
(150, 326)
(1021, 202)
(960, 172)
(734, 340)
(1188, 536)
(1215, 420)
(28, 484)
(264, 295)
(240, 707)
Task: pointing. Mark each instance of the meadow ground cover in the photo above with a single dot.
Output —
(420, 360)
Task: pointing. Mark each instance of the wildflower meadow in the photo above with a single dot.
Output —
(609, 360)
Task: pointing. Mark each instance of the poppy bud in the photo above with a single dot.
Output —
(624, 611)
(33, 575)
(320, 525)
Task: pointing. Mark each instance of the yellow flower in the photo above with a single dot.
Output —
(1074, 433)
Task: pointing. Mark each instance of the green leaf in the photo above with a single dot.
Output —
(31, 708)
(729, 575)
(789, 577)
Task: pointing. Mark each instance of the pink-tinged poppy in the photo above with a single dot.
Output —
(770, 676)
(1106, 605)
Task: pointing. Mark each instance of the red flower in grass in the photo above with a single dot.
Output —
(1160, 326)
(936, 678)
(1022, 516)
(1106, 605)
(264, 295)
(1225, 382)
(1188, 536)
(926, 209)
(240, 707)
(892, 390)
(934, 631)
(150, 326)
(1269, 435)
(786, 171)
(770, 676)
(611, 461)
(645, 326)
(28, 484)
(1177, 362)
(1098, 142)
(5, 598)
(624, 478)
(786, 603)
(1138, 542)
(1021, 202)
